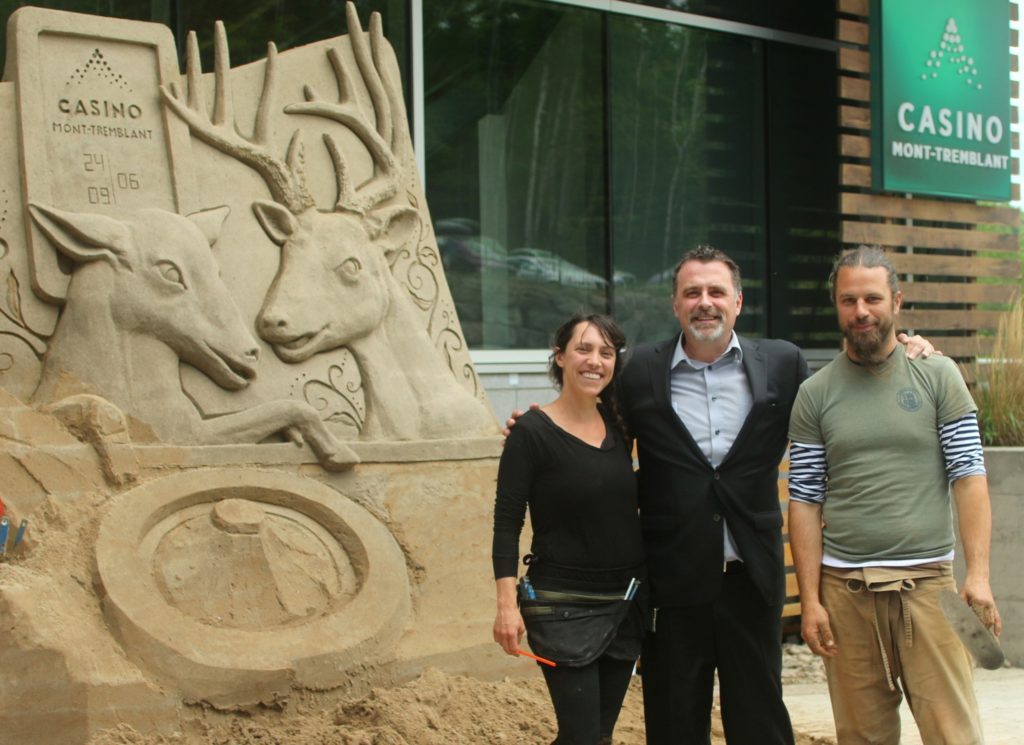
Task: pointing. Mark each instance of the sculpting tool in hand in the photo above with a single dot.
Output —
(5, 527)
(535, 657)
(978, 639)
(21, 532)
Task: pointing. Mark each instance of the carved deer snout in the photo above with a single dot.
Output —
(271, 324)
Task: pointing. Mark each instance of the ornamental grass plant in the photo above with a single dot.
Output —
(999, 383)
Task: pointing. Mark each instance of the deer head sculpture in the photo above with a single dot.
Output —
(334, 286)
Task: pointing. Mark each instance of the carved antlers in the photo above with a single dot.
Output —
(377, 137)
(285, 178)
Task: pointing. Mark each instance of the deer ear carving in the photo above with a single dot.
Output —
(210, 222)
(278, 223)
(83, 236)
(395, 228)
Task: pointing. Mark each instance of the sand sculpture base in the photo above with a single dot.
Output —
(233, 576)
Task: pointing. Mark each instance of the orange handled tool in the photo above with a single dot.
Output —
(535, 657)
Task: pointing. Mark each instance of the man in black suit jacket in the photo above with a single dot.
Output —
(710, 412)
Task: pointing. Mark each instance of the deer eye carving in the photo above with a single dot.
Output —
(170, 272)
(349, 268)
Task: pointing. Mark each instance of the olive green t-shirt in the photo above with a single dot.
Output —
(887, 494)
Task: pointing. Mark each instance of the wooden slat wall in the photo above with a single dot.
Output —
(960, 262)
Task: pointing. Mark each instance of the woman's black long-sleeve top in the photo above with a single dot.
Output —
(583, 508)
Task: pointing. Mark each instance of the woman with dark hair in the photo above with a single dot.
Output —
(569, 462)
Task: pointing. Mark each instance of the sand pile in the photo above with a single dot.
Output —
(434, 709)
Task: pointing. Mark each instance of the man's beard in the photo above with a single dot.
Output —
(869, 347)
(704, 334)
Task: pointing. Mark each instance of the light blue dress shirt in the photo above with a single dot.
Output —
(712, 400)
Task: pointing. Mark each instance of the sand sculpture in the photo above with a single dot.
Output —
(335, 286)
(177, 314)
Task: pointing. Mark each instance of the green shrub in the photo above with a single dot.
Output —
(999, 383)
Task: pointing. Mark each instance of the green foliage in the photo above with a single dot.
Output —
(999, 385)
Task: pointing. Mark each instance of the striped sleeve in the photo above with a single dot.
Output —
(808, 472)
(961, 447)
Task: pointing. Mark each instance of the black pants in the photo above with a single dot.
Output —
(740, 636)
(587, 699)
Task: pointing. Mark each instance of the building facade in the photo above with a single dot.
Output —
(572, 150)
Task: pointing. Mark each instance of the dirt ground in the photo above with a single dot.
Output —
(434, 709)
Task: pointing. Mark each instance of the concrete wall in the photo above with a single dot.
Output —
(507, 391)
(1006, 487)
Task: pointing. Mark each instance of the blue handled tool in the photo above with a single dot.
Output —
(21, 532)
(5, 527)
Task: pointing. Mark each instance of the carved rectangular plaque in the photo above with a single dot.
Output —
(95, 136)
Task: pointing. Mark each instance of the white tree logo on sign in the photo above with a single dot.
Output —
(952, 51)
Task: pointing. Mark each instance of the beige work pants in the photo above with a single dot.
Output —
(891, 635)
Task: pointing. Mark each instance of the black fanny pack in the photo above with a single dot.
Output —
(574, 628)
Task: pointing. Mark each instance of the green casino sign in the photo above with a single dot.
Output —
(940, 105)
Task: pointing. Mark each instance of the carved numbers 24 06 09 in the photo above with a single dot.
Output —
(97, 164)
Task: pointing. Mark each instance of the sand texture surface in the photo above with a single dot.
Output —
(434, 709)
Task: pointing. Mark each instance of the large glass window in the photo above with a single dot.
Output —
(796, 16)
(250, 24)
(687, 164)
(515, 162)
(573, 156)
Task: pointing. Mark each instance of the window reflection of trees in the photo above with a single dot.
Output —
(516, 164)
(586, 147)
